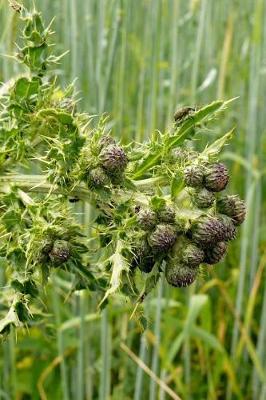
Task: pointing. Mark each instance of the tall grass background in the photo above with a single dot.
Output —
(138, 60)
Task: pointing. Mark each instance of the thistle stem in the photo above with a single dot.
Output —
(38, 184)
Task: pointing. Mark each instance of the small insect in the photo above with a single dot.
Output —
(182, 113)
(16, 6)
(74, 199)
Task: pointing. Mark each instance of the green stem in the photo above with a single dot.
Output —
(38, 184)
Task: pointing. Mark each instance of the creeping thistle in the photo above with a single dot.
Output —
(157, 205)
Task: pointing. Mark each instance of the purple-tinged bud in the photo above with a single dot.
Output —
(206, 231)
(45, 250)
(97, 178)
(146, 264)
(216, 177)
(163, 238)
(216, 253)
(234, 207)
(193, 175)
(167, 214)
(147, 219)
(106, 140)
(143, 257)
(179, 275)
(192, 255)
(203, 198)
(60, 252)
(229, 229)
(114, 159)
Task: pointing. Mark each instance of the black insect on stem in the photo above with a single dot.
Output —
(73, 199)
(183, 113)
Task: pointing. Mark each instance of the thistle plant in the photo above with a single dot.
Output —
(158, 207)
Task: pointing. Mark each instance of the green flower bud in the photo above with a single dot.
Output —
(163, 238)
(60, 252)
(45, 250)
(216, 177)
(215, 254)
(203, 198)
(206, 231)
(147, 219)
(192, 255)
(193, 175)
(106, 140)
(234, 207)
(114, 159)
(97, 178)
(179, 275)
(146, 265)
(167, 214)
(229, 230)
(143, 258)
(180, 155)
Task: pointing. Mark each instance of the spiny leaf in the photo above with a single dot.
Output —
(216, 147)
(119, 266)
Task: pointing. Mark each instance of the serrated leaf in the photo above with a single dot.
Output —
(148, 162)
(25, 88)
(119, 266)
(216, 147)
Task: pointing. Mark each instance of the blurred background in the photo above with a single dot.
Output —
(138, 60)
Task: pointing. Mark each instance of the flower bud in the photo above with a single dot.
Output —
(193, 175)
(114, 159)
(167, 214)
(147, 219)
(232, 206)
(203, 198)
(216, 177)
(192, 255)
(179, 154)
(60, 252)
(46, 247)
(206, 231)
(229, 229)
(97, 178)
(146, 264)
(179, 275)
(106, 140)
(143, 258)
(163, 238)
(215, 254)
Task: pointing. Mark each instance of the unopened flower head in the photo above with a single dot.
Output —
(234, 207)
(193, 175)
(215, 253)
(179, 275)
(163, 238)
(216, 177)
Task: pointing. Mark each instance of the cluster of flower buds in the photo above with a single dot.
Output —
(207, 236)
(107, 164)
(201, 237)
(160, 233)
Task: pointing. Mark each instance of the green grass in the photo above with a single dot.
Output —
(137, 61)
